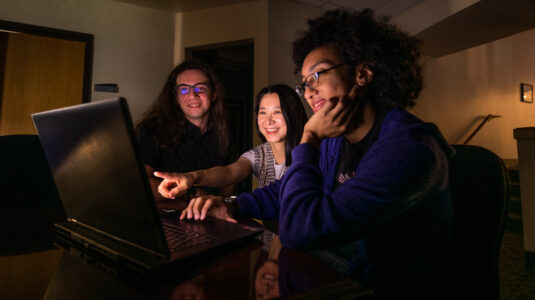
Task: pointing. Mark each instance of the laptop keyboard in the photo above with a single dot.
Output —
(180, 239)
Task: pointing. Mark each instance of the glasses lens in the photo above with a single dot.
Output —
(200, 88)
(311, 80)
(300, 89)
(183, 89)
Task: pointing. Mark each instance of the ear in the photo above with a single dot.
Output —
(363, 75)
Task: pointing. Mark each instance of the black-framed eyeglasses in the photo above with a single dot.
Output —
(311, 80)
(199, 88)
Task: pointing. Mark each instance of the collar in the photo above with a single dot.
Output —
(191, 129)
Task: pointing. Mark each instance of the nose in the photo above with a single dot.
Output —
(192, 92)
(309, 92)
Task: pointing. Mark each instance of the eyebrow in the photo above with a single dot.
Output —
(263, 107)
(193, 84)
(326, 61)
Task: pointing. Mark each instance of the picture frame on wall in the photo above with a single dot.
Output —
(526, 92)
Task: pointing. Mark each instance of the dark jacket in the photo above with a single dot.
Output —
(397, 207)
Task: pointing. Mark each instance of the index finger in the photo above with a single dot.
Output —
(164, 186)
(164, 175)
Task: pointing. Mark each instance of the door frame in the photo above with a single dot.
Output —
(245, 137)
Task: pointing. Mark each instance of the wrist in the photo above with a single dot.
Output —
(233, 207)
(190, 194)
(310, 137)
(197, 177)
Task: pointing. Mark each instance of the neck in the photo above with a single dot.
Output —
(200, 122)
(366, 124)
(278, 152)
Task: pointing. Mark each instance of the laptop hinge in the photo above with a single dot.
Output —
(117, 239)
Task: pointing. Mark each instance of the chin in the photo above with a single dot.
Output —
(275, 140)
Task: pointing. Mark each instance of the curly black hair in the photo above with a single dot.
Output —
(392, 55)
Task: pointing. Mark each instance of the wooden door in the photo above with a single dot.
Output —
(40, 73)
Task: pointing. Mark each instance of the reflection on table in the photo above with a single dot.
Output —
(250, 270)
(296, 274)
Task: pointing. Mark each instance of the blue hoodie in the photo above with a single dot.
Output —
(397, 207)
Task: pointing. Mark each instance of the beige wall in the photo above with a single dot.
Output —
(286, 18)
(483, 80)
(133, 45)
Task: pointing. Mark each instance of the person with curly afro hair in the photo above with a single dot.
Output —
(369, 180)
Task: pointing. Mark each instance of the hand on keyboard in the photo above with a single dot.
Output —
(202, 206)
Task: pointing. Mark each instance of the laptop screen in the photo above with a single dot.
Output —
(92, 152)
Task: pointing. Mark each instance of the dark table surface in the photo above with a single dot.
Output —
(256, 269)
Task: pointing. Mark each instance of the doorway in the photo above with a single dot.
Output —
(234, 64)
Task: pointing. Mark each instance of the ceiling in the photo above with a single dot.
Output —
(383, 7)
(482, 22)
(387, 7)
(176, 6)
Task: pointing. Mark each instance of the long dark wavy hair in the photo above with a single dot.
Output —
(165, 120)
(291, 106)
(392, 55)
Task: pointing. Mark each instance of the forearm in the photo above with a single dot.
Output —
(227, 190)
(213, 177)
(222, 176)
(262, 203)
(311, 138)
(302, 219)
(313, 216)
(387, 184)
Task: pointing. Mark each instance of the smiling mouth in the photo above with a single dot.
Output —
(317, 105)
(269, 276)
(272, 130)
(194, 105)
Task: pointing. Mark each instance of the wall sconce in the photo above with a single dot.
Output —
(526, 92)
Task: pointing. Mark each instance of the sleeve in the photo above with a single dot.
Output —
(262, 203)
(150, 154)
(249, 155)
(391, 177)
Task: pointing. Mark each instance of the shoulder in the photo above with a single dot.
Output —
(261, 149)
(405, 129)
(146, 133)
(407, 147)
(256, 153)
(249, 155)
(406, 160)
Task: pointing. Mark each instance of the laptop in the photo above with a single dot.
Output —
(92, 152)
